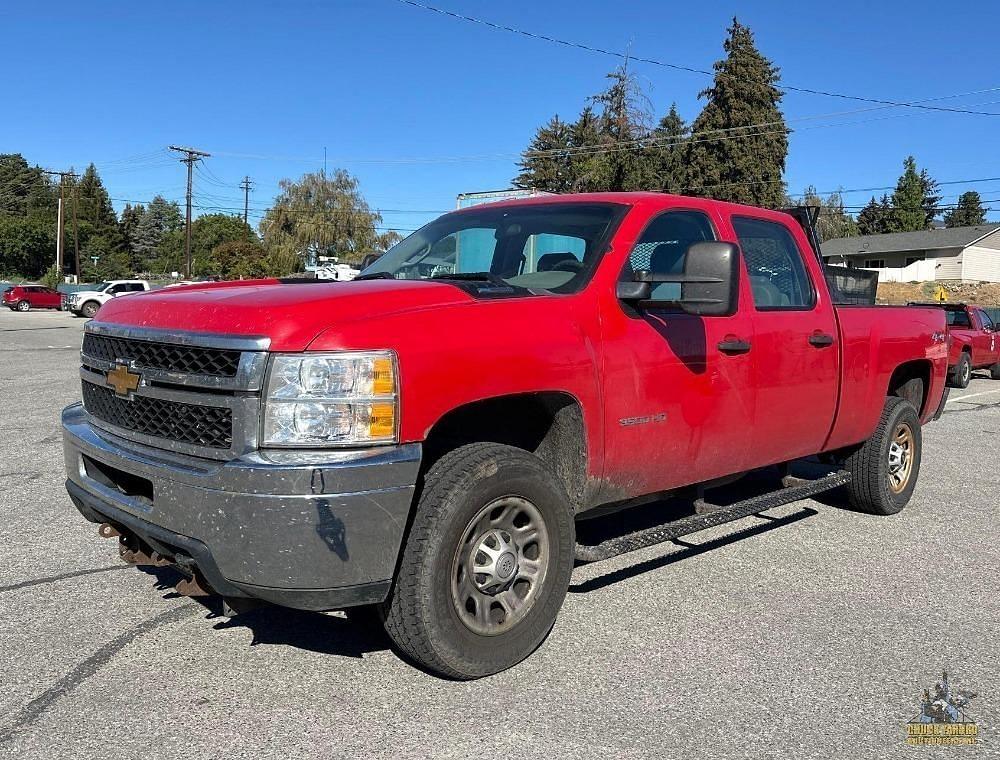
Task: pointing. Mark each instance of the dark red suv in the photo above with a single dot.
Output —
(24, 297)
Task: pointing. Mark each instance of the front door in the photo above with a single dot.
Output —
(796, 352)
(679, 399)
(985, 348)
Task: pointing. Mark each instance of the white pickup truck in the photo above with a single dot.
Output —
(85, 303)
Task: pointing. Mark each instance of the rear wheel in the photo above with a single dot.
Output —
(487, 563)
(89, 309)
(995, 371)
(962, 373)
(884, 469)
(23, 306)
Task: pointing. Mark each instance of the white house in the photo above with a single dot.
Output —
(958, 254)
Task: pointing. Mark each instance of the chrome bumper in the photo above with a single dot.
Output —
(312, 530)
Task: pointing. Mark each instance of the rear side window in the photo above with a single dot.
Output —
(958, 319)
(663, 248)
(778, 277)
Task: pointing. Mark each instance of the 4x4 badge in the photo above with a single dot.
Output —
(122, 379)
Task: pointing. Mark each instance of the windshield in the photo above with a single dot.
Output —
(551, 246)
(99, 287)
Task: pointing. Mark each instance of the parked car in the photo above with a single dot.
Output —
(339, 272)
(288, 442)
(24, 297)
(85, 303)
(975, 343)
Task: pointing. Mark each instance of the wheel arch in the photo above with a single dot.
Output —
(549, 424)
(918, 369)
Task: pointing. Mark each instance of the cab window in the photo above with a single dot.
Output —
(987, 323)
(664, 245)
(778, 276)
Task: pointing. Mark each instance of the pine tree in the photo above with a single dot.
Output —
(742, 164)
(129, 221)
(160, 219)
(914, 201)
(968, 213)
(870, 218)
(545, 165)
(586, 166)
(932, 197)
(666, 153)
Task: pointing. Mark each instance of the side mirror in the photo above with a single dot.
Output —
(708, 285)
(711, 279)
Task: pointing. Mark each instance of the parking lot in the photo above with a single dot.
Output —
(808, 633)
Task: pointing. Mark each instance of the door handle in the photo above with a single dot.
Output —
(733, 345)
(820, 340)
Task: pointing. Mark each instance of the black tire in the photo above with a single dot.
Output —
(89, 309)
(422, 614)
(873, 487)
(962, 373)
(995, 371)
(23, 306)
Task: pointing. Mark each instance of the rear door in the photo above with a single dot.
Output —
(795, 345)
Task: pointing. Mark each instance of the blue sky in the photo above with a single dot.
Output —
(421, 107)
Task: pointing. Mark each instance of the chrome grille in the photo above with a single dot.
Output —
(144, 354)
(210, 426)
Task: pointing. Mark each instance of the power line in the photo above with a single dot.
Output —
(920, 104)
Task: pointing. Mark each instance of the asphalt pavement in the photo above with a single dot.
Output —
(810, 633)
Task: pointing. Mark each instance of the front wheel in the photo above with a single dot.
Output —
(89, 309)
(962, 373)
(884, 469)
(23, 306)
(487, 563)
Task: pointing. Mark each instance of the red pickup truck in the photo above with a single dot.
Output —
(974, 342)
(425, 437)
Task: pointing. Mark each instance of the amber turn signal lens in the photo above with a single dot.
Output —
(382, 421)
(383, 382)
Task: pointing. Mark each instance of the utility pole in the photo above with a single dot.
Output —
(76, 236)
(190, 157)
(59, 221)
(245, 185)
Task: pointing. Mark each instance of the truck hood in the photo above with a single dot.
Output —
(86, 293)
(291, 315)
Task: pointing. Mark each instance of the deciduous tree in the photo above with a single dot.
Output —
(321, 214)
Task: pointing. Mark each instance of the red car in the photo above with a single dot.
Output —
(975, 343)
(24, 297)
(426, 437)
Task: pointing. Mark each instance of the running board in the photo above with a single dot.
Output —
(640, 539)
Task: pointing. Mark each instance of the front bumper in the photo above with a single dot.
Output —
(302, 529)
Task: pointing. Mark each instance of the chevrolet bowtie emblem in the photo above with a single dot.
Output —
(122, 379)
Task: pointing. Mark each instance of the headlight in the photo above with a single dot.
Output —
(331, 399)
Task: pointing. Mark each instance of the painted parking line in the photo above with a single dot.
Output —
(960, 399)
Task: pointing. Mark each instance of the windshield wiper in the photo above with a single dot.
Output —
(492, 279)
(376, 276)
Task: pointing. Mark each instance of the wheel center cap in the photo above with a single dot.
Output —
(506, 565)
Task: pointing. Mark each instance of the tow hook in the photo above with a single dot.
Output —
(107, 530)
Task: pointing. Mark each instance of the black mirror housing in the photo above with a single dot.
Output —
(711, 279)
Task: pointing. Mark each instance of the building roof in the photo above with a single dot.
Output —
(897, 242)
